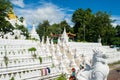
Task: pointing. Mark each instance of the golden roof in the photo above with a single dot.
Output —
(11, 16)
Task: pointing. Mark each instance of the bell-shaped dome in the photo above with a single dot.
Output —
(34, 34)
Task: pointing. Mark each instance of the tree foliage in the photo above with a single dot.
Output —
(24, 30)
(45, 29)
(42, 28)
(5, 26)
(104, 27)
(116, 39)
(90, 26)
(32, 49)
(61, 77)
(81, 18)
(118, 31)
(64, 24)
(21, 19)
(12, 78)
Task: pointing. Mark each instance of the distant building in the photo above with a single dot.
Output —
(64, 36)
(13, 19)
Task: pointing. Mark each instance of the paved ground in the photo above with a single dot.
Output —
(114, 73)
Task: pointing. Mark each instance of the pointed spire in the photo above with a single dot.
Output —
(24, 22)
(99, 39)
(64, 33)
(64, 55)
(47, 51)
(42, 40)
(52, 45)
(51, 41)
(47, 41)
(64, 30)
(58, 42)
(58, 50)
(33, 33)
(64, 36)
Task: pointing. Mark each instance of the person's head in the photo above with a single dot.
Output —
(73, 69)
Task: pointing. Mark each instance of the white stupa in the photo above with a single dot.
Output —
(99, 39)
(34, 34)
(64, 37)
(48, 41)
(62, 67)
(54, 59)
(24, 22)
(59, 42)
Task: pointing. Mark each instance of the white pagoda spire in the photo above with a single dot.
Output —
(99, 39)
(59, 42)
(64, 36)
(33, 33)
(42, 40)
(47, 41)
(51, 41)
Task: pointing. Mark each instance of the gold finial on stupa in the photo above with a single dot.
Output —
(11, 14)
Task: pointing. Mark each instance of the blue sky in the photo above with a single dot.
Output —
(55, 11)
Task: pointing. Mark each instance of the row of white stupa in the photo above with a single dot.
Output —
(16, 59)
(18, 62)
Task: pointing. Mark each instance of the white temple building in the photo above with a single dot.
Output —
(13, 19)
(18, 60)
(22, 59)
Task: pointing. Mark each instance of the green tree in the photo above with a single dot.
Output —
(81, 18)
(64, 24)
(89, 26)
(12, 78)
(24, 30)
(118, 31)
(58, 28)
(55, 29)
(116, 39)
(42, 28)
(103, 26)
(21, 19)
(5, 26)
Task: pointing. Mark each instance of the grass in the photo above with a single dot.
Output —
(40, 59)
(32, 49)
(61, 77)
(115, 63)
(12, 78)
(6, 60)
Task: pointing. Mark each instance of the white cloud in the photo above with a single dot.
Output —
(68, 19)
(117, 20)
(19, 3)
(46, 11)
